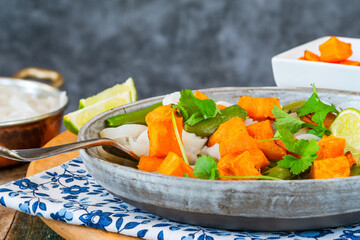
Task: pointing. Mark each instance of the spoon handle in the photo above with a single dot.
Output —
(28, 155)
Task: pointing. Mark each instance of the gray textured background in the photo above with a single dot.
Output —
(164, 45)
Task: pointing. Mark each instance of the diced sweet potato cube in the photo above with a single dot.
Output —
(149, 163)
(173, 165)
(261, 131)
(227, 129)
(350, 158)
(310, 56)
(331, 147)
(259, 108)
(237, 143)
(329, 119)
(162, 139)
(330, 168)
(334, 50)
(237, 165)
(259, 159)
(200, 95)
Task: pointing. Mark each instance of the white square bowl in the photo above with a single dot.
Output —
(290, 72)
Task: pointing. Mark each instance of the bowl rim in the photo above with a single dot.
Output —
(87, 153)
(21, 83)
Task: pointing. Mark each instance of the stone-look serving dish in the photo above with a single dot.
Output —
(36, 131)
(236, 205)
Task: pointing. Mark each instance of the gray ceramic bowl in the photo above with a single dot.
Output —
(236, 205)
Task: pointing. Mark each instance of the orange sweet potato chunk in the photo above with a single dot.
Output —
(173, 165)
(334, 50)
(331, 147)
(310, 56)
(200, 95)
(330, 168)
(259, 159)
(259, 108)
(227, 129)
(237, 165)
(237, 143)
(261, 131)
(149, 163)
(350, 158)
(162, 139)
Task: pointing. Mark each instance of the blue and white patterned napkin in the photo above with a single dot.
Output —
(68, 193)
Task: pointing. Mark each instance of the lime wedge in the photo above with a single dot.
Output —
(347, 125)
(130, 83)
(127, 86)
(75, 120)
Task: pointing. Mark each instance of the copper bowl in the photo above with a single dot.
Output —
(36, 131)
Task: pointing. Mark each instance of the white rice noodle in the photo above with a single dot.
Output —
(192, 145)
(126, 130)
(249, 121)
(132, 136)
(226, 104)
(138, 147)
(172, 98)
(212, 151)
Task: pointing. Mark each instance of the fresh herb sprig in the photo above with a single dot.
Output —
(319, 109)
(287, 125)
(192, 110)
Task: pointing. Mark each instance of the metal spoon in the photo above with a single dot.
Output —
(28, 155)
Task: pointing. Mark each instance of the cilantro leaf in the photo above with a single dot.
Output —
(206, 168)
(194, 110)
(286, 126)
(286, 121)
(286, 137)
(307, 150)
(293, 125)
(316, 106)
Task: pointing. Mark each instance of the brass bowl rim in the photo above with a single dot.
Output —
(39, 87)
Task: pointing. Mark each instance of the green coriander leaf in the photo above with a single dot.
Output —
(286, 121)
(306, 147)
(316, 106)
(307, 150)
(286, 137)
(206, 168)
(186, 175)
(207, 107)
(195, 118)
(295, 164)
(186, 104)
(194, 110)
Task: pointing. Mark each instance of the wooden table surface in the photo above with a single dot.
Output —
(18, 225)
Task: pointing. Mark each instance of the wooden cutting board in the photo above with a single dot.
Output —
(69, 231)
